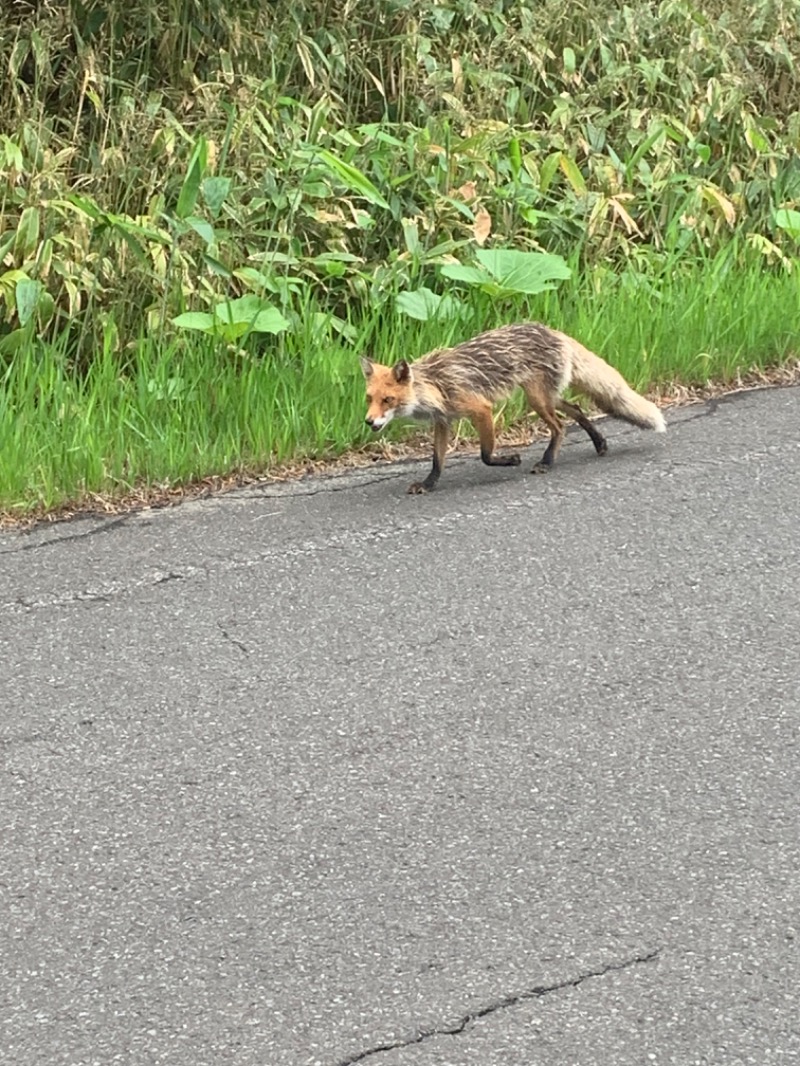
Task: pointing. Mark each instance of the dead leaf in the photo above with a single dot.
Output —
(624, 217)
(321, 215)
(714, 196)
(458, 76)
(482, 226)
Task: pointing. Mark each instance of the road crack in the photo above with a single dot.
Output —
(506, 1003)
(102, 527)
(232, 640)
(106, 593)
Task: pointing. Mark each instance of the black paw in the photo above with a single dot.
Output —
(541, 468)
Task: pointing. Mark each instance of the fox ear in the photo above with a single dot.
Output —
(401, 371)
(367, 366)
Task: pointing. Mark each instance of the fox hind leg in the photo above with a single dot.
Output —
(542, 404)
(573, 410)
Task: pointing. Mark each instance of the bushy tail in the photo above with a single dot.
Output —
(610, 391)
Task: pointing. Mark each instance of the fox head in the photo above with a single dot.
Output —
(389, 392)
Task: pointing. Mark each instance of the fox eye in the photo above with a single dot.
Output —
(387, 399)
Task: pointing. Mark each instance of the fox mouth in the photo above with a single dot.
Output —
(377, 424)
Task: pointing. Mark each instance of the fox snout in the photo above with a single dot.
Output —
(377, 423)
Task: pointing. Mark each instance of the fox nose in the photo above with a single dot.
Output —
(370, 422)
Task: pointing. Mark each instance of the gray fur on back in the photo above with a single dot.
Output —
(487, 363)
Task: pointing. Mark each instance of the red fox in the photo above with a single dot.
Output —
(463, 382)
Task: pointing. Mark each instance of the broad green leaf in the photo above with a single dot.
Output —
(45, 308)
(215, 191)
(270, 320)
(524, 272)
(240, 310)
(254, 278)
(424, 304)
(26, 294)
(411, 235)
(195, 320)
(12, 277)
(252, 313)
(471, 275)
(756, 140)
(203, 229)
(13, 341)
(788, 221)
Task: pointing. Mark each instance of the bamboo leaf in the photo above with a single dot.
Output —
(353, 178)
(573, 175)
(27, 236)
(548, 171)
(187, 197)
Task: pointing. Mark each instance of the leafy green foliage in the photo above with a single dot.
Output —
(268, 183)
(157, 157)
(504, 272)
(234, 318)
(423, 304)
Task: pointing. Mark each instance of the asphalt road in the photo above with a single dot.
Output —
(507, 774)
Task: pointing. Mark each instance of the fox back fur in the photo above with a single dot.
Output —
(464, 381)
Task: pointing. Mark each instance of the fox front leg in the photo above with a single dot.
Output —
(441, 435)
(483, 420)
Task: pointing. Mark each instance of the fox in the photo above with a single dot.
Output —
(466, 380)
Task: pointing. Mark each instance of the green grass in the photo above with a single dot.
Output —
(180, 411)
(690, 323)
